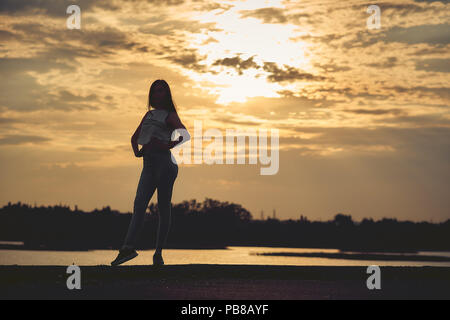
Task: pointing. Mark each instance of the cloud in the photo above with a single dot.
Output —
(189, 59)
(92, 42)
(211, 6)
(237, 63)
(430, 141)
(431, 34)
(235, 121)
(422, 91)
(11, 66)
(171, 27)
(68, 96)
(402, 8)
(274, 15)
(6, 35)
(96, 149)
(386, 64)
(55, 8)
(432, 120)
(435, 65)
(288, 74)
(22, 92)
(275, 73)
(376, 112)
(267, 15)
(4, 120)
(12, 139)
(431, 1)
(332, 67)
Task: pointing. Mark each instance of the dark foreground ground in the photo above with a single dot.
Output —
(234, 282)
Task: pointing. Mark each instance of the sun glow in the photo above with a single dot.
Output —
(245, 39)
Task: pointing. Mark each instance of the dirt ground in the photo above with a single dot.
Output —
(223, 282)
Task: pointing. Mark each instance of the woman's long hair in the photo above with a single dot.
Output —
(169, 105)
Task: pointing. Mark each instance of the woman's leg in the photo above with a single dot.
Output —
(165, 188)
(145, 190)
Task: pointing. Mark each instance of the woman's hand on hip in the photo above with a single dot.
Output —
(140, 153)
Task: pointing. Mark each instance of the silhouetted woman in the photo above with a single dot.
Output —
(159, 171)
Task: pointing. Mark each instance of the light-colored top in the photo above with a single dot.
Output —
(154, 125)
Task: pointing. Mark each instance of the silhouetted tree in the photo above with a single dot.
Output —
(211, 223)
(342, 220)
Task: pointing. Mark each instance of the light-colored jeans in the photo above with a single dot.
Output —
(158, 172)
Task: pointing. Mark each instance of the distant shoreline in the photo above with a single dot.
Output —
(214, 224)
(21, 246)
(33, 248)
(358, 256)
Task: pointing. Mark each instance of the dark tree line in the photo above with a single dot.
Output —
(212, 224)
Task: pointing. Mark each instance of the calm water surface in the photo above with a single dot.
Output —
(232, 255)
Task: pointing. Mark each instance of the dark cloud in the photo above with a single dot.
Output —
(325, 38)
(402, 9)
(289, 73)
(69, 52)
(432, 34)
(68, 96)
(435, 65)
(332, 67)
(387, 92)
(107, 40)
(160, 2)
(267, 15)
(424, 120)
(66, 101)
(230, 120)
(274, 15)
(429, 51)
(210, 6)
(362, 39)
(11, 66)
(386, 64)
(353, 93)
(431, 141)
(70, 44)
(280, 109)
(422, 91)
(13, 139)
(21, 91)
(376, 111)
(170, 27)
(6, 35)
(190, 60)
(431, 1)
(276, 74)
(8, 120)
(55, 8)
(94, 149)
(237, 63)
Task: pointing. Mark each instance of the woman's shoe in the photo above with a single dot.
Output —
(124, 255)
(158, 260)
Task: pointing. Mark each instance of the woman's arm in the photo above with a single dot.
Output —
(174, 121)
(135, 136)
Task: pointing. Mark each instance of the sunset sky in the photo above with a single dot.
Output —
(363, 114)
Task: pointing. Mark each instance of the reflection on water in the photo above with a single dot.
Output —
(232, 255)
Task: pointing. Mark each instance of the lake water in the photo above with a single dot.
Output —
(232, 255)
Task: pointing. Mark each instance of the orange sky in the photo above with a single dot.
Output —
(362, 114)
